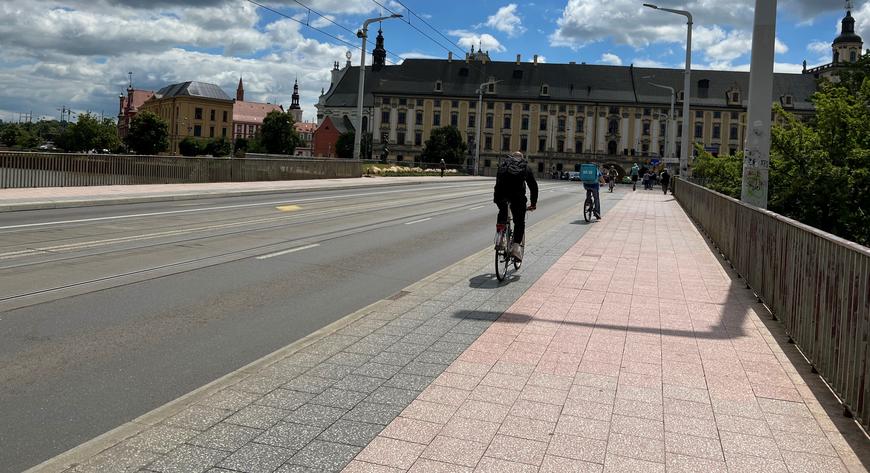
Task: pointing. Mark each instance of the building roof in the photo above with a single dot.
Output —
(193, 89)
(138, 98)
(253, 112)
(847, 32)
(342, 126)
(566, 83)
(305, 127)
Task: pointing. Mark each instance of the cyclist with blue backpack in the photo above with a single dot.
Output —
(591, 176)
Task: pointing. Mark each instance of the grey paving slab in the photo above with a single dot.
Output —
(257, 458)
(121, 459)
(198, 417)
(161, 438)
(289, 435)
(350, 359)
(326, 456)
(315, 414)
(378, 370)
(409, 381)
(330, 371)
(188, 459)
(225, 436)
(351, 432)
(363, 384)
(285, 399)
(374, 413)
(340, 398)
(258, 417)
(309, 384)
(230, 399)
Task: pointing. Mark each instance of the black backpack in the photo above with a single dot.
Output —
(513, 170)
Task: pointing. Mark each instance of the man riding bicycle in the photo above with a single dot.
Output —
(510, 190)
(613, 176)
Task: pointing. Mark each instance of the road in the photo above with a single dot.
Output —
(109, 312)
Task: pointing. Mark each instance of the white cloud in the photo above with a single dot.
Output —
(612, 59)
(507, 21)
(780, 47)
(484, 41)
(646, 62)
(788, 68)
(819, 47)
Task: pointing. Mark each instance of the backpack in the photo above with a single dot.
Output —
(513, 170)
(588, 173)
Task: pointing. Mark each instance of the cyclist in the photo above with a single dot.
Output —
(594, 188)
(510, 190)
(635, 172)
(614, 175)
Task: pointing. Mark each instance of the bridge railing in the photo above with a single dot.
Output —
(67, 170)
(816, 284)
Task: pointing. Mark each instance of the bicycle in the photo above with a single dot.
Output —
(589, 207)
(611, 183)
(504, 240)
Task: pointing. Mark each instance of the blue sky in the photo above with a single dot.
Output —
(76, 53)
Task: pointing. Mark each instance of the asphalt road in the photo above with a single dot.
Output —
(109, 312)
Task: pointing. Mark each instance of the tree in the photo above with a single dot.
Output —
(722, 174)
(89, 133)
(148, 134)
(444, 143)
(217, 147)
(189, 146)
(344, 145)
(10, 135)
(278, 133)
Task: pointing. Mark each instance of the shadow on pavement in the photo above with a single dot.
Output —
(489, 281)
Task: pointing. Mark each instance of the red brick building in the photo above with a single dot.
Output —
(128, 107)
(326, 136)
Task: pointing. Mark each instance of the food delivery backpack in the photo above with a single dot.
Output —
(588, 173)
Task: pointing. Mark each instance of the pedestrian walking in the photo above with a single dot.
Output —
(666, 180)
(443, 167)
(634, 173)
(645, 181)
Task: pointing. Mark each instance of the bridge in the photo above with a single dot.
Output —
(361, 329)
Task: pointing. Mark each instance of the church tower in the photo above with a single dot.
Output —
(847, 46)
(240, 92)
(295, 109)
(379, 55)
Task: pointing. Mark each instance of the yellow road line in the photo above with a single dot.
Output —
(288, 208)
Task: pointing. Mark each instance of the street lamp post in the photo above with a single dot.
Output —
(687, 87)
(477, 131)
(669, 144)
(363, 34)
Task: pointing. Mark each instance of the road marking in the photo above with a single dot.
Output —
(288, 208)
(287, 252)
(478, 207)
(418, 221)
(222, 207)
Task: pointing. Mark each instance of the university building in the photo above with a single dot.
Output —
(556, 114)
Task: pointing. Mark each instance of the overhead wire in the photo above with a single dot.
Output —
(459, 48)
(408, 21)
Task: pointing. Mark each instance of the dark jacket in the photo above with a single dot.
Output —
(511, 180)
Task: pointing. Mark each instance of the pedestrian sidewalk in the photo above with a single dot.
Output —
(630, 348)
(65, 197)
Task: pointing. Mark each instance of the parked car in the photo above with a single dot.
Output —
(573, 176)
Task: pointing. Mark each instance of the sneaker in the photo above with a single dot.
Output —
(597, 215)
(517, 251)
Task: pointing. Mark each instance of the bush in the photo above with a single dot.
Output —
(189, 146)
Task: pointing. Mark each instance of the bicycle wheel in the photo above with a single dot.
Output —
(587, 210)
(500, 266)
(517, 263)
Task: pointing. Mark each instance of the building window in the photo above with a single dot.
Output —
(545, 90)
(699, 114)
(507, 122)
(403, 101)
(646, 111)
(438, 86)
(419, 102)
(646, 128)
(488, 121)
(853, 57)
(197, 130)
(400, 138)
(644, 149)
(385, 117)
(400, 157)
(225, 116)
(613, 127)
(614, 110)
(487, 163)
(525, 107)
(224, 132)
(524, 143)
(490, 105)
(211, 117)
(542, 124)
(733, 132)
(561, 124)
(472, 120)
(579, 128)
(542, 145)
(578, 146)
(560, 146)
(454, 118)
(418, 118)
(524, 123)
(680, 96)
(401, 118)
(418, 139)
(735, 115)
(436, 118)
(487, 142)
(662, 129)
(506, 143)
(717, 115)
(211, 132)
(454, 104)
(437, 103)
(717, 132)
(699, 130)
(735, 97)
(385, 101)
(197, 113)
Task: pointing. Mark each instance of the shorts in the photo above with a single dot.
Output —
(633, 178)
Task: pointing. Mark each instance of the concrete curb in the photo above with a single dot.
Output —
(66, 204)
(67, 461)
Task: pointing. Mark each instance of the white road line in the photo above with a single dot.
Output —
(478, 207)
(418, 221)
(206, 209)
(287, 252)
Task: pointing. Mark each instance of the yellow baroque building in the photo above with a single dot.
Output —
(195, 109)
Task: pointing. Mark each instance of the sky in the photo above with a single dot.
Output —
(77, 53)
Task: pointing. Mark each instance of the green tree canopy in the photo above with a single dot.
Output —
(190, 146)
(344, 145)
(9, 136)
(444, 143)
(89, 133)
(148, 134)
(278, 135)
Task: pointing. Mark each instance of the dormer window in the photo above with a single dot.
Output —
(680, 96)
(490, 88)
(545, 90)
(438, 86)
(787, 101)
(733, 96)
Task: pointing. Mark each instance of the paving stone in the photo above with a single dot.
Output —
(309, 384)
(256, 458)
(412, 430)
(553, 464)
(378, 370)
(160, 438)
(258, 417)
(456, 451)
(290, 435)
(230, 399)
(188, 459)
(409, 382)
(325, 456)
(197, 417)
(424, 369)
(620, 464)
(362, 384)
(315, 414)
(330, 371)
(406, 348)
(118, 459)
(391, 452)
(436, 357)
(225, 436)
(424, 465)
(259, 384)
(285, 399)
(350, 359)
(516, 449)
(374, 413)
(393, 358)
(389, 395)
(357, 466)
(340, 398)
(351, 432)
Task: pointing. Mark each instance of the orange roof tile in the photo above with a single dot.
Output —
(253, 112)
